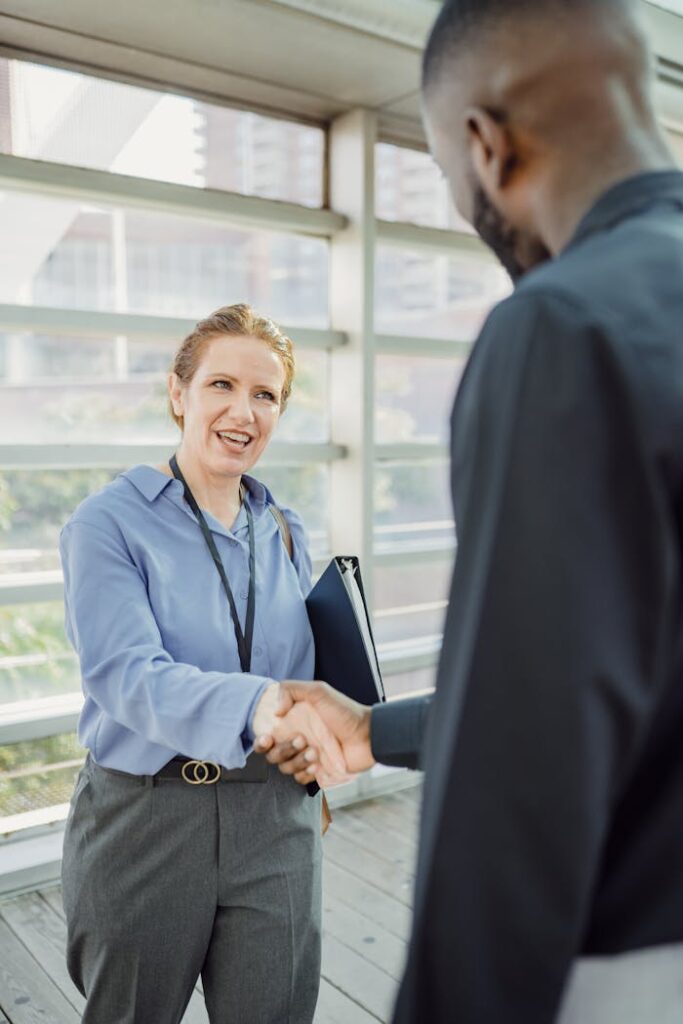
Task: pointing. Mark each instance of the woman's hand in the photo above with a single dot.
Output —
(298, 755)
(296, 726)
(265, 716)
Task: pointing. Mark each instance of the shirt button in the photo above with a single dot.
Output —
(258, 650)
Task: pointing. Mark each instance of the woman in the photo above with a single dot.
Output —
(184, 852)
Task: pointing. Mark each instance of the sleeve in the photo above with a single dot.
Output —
(550, 666)
(126, 670)
(301, 560)
(300, 550)
(396, 731)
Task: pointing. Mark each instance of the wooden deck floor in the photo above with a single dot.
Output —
(369, 863)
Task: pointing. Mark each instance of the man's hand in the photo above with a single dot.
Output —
(299, 755)
(284, 721)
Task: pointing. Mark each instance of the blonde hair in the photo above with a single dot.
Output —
(237, 320)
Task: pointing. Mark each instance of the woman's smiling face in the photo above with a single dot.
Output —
(231, 406)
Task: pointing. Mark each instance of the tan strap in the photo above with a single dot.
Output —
(286, 534)
(283, 527)
(326, 816)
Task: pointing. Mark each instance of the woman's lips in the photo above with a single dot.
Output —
(235, 440)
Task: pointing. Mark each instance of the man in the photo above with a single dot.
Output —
(552, 830)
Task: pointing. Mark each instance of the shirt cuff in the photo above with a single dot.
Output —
(396, 731)
(248, 736)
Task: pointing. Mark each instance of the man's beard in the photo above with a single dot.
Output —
(517, 252)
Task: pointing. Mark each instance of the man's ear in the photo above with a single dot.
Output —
(492, 148)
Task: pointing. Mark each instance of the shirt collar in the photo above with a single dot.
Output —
(150, 482)
(258, 494)
(630, 197)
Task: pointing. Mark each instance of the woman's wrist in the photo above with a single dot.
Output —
(264, 718)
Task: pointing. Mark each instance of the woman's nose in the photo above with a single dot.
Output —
(240, 406)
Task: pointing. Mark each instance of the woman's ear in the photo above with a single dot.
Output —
(492, 149)
(175, 393)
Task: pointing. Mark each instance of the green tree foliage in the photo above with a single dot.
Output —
(8, 505)
(35, 504)
(38, 773)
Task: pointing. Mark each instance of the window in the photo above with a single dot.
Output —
(113, 390)
(37, 659)
(413, 397)
(412, 504)
(34, 505)
(37, 775)
(421, 294)
(71, 118)
(85, 257)
(432, 293)
(675, 6)
(94, 299)
(113, 273)
(411, 188)
(409, 602)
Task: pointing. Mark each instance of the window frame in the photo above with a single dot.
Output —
(353, 231)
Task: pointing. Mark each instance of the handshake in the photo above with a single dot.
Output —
(313, 732)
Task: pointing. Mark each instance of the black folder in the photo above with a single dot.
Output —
(345, 654)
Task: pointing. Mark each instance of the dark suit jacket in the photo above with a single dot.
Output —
(553, 810)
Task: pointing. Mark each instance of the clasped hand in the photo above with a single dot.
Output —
(313, 732)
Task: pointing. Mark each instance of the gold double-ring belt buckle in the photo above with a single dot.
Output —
(198, 773)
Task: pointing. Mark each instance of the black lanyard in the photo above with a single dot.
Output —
(244, 640)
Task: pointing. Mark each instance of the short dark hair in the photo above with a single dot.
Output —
(459, 19)
(456, 22)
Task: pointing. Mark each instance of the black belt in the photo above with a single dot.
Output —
(206, 773)
(194, 772)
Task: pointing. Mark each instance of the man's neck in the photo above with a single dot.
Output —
(569, 197)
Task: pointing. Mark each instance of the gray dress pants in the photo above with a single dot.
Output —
(164, 881)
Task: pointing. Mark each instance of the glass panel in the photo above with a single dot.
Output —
(410, 601)
(409, 682)
(34, 505)
(38, 773)
(414, 397)
(113, 390)
(307, 416)
(434, 296)
(409, 187)
(305, 489)
(36, 659)
(40, 358)
(675, 6)
(106, 259)
(412, 505)
(71, 118)
(675, 140)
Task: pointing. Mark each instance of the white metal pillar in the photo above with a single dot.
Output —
(352, 188)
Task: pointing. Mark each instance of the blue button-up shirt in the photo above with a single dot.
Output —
(150, 622)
